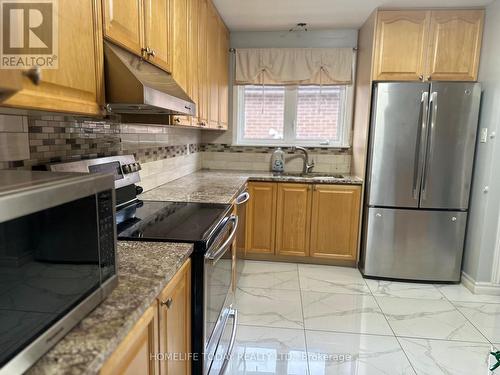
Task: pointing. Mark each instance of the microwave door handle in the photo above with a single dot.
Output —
(216, 255)
(433, 107)
(234, 315)
(242, 198)
(421, 133)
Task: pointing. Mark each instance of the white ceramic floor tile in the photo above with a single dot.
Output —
(331, 279)
(433, 319)
(438, 357)
(357, 313)
(382, 288)
(333, 353)
(273, 351)
(269, 307)
(256, 274)
(485, 316)
(459, 292)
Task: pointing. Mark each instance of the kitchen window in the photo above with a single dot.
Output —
(309, 115)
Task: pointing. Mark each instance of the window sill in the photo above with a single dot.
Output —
(283, 145)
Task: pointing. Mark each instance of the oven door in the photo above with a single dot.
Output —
(218, 306)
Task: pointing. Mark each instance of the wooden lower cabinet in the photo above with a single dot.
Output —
(160, 342)
(316, 223)
(134, 355)
(261, 218)
(293, 219)
(175, 323)
(335, 222)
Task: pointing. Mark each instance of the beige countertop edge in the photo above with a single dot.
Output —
(144, 269)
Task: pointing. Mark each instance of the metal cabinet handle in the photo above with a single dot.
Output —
(429, 78)
(234, 315)
(34, 74)
(152, 53)
(242, 198)
(421, 77)
(177, 119)
(168, 303)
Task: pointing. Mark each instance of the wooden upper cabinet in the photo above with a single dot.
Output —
(455, 45)
(134, 354)
(202, 63)
(213, 66)
(123, 23)
(223, 76)
(193, 11)
(157, 32)
(293, 219)
(175, 323)
(261, 218)
(401, 41)
(335, 222)
(180, 43)
(76, 86)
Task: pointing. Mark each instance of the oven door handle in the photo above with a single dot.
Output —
(242, 198)
(234, 315)
(216, 255)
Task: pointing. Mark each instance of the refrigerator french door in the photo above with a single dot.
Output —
(421, 152)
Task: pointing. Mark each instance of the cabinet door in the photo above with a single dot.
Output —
(213, 66)
(77, 85)
(133, 356)
(179, 19)
(123, 23)
(193, 56)
(223, 76)
(175, 323)
(157, 32)
(202, 63)
(293, 219)
(455, 45)
(335, 222)
(400, 45)
(261, 218)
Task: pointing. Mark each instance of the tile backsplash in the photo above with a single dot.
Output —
(165, 152)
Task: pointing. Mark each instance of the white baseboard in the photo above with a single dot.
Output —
(480, 287)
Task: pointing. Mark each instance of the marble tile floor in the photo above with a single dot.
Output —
(299, 319)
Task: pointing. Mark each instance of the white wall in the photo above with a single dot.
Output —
(278, 39)
(485, 206)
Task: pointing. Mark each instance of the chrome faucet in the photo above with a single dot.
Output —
(307, 166)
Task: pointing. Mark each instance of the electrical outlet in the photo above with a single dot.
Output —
(483, 138)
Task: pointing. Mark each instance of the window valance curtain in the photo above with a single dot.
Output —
(294, 66)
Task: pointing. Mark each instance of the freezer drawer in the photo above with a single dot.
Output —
(414, 244)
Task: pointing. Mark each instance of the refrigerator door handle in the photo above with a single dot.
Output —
(419, 153)
(433, 107)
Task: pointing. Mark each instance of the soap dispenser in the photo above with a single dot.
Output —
(278, 161)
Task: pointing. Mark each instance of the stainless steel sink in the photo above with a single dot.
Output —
(309, 175)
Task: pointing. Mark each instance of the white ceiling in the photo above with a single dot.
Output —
(269, 15)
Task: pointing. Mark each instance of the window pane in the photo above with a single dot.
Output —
(264, 112)
(319, 112)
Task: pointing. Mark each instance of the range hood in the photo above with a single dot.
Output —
(136, 86)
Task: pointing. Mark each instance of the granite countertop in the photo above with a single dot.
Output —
(213, 186)
(144, 269)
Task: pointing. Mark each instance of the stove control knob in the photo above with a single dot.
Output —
(138, 189)
(138, 166)
(126, 168)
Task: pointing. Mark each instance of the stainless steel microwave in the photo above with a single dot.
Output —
(57, 258)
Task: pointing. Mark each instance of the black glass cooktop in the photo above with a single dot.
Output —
(170, 221)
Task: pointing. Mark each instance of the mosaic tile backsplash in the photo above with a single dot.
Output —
(165, 152)
(31, 141)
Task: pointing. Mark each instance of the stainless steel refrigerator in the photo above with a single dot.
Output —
(421, 153)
